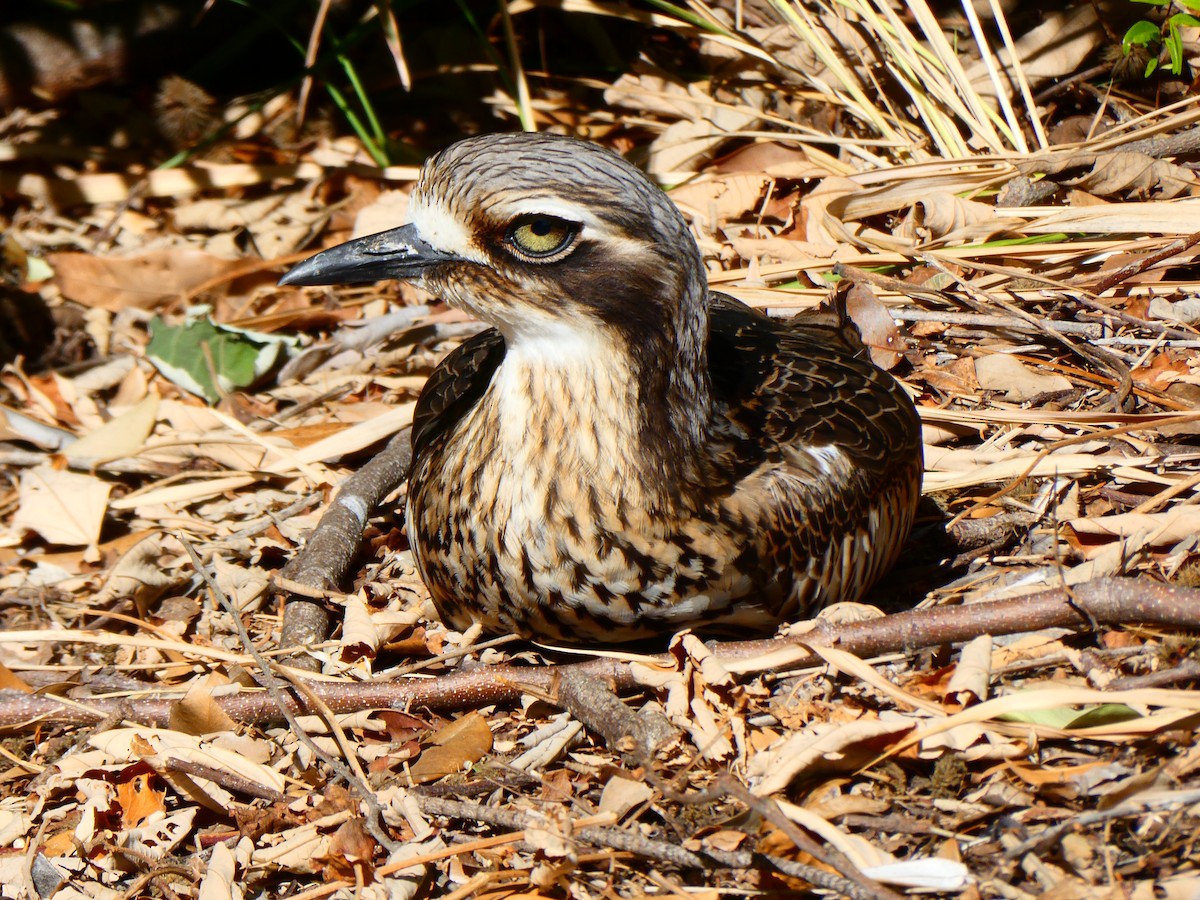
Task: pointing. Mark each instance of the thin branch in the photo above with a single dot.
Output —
(1108, 601)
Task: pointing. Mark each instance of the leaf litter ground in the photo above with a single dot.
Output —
(1038, 297)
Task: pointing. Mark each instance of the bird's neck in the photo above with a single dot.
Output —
(632, 411)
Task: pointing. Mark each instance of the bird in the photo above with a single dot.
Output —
(624, 454)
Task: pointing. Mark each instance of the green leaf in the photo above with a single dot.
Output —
(211, 360)
(1024, 241)
(1174, 41)
(1140, 34)
(1105, 714)
(1067, 717)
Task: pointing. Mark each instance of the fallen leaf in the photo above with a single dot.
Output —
(123, 436)
(63, 507)
(464, 741)
(1000, 372)
(142, 282)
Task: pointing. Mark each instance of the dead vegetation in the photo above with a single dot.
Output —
(165, 462)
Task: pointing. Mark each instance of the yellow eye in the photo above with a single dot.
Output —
(541, 236)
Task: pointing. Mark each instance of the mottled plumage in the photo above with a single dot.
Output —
(625, 453)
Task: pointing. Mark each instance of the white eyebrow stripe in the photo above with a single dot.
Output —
(439, 228)
(542, 206)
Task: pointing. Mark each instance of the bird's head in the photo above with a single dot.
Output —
(545, 237)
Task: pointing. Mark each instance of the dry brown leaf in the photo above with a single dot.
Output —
(945, 216)
(198, 712)
(10, 681)
(294, 850)
(463, 742)
(883, 337)
(278, 223)
(144, 281)
(721, 198)
(1120, 174)
(552, 835)
(138, 795)
(237, 756)
(138, 575)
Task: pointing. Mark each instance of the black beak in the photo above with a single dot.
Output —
(399, 253)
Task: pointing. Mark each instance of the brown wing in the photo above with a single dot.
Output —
(455, 386)
(835, 442)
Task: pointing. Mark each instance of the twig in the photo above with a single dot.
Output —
(334, 543)
(1135, 806)
(1145, 262)
(1108, 601)
(648, 848)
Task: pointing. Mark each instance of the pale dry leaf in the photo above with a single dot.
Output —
(278, 224)
(1000, 372)
(138, 574)
(224, 214)
(294, 850)
(1118, 173)
(551, 833)
(651, 93)
(719, 198)
(861, 851)
(123, 436)
(159, 836)
(173, 496)
(1186, 310)
(14, 820)
(620, 795)
(685, 146)
(132, 744)
(63, 507)
(386, 211)
(973, 674)
(220, 881)
(776, 249)
(547, 743)
(244, 585)
(824, 747)
(1161, 529)
(820, 211)
(930, 873)
(360, 637)
(17, 426)
(198, 712)
(945, 216)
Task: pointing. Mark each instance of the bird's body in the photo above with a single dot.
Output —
(625, 454)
